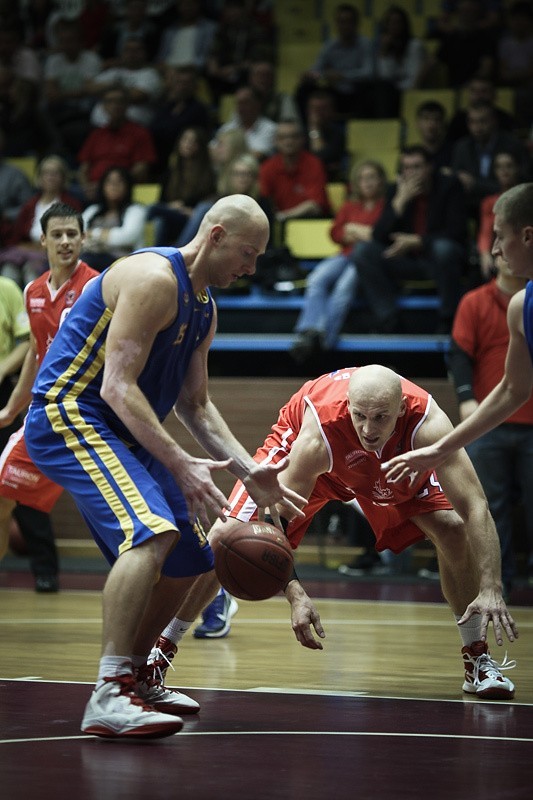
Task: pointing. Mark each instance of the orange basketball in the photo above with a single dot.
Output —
(253, 560)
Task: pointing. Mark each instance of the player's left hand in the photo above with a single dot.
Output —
(491, 605)
(264, 487)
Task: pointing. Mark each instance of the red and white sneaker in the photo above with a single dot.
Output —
(483, 675)
(150, 682)
(115, 710)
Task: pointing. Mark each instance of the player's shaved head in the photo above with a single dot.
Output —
(236, 213)
(376, 382)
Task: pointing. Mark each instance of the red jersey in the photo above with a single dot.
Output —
(480, 329)
(354, 211)
(46, 306)
(288, 187)
(354, 473)
(20, 479)
(117, 147)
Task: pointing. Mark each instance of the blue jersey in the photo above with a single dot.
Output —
(528, 317)
(73, 367)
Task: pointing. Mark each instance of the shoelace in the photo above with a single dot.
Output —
(486, 664)
(127, 688)
(159, 662)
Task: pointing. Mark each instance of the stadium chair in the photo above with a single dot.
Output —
(505, 96)
(26, 164)
(366, 136)
(309, 238)
(293, 59)
(337, 193)
(146, 193)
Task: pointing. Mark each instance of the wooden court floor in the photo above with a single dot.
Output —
(379, 713)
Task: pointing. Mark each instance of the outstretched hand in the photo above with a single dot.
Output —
(491, 606)
(264, 487)
(408, 465)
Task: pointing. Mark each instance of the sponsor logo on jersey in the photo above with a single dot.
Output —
(382, 493)
(355, 457)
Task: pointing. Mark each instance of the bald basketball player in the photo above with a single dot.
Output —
(135, 346)
(339, 429)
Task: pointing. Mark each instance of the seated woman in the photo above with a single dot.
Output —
(114, 224)
(239, 177)
(507, 173)
(332, 284)
(190, 180)
(25, 259)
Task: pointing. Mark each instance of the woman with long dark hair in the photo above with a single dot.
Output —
(114, 224)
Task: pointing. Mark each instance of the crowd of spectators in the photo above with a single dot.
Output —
(139, 86)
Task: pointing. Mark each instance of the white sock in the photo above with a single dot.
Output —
(112, 666)
(176, 629)
(470, 630)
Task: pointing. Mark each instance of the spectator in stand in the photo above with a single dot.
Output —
(140, 81)
(431, 126)
(325, 134)
(294, 179)
(240, 176)
(473, 156)
(133, 24)
(274, 105)
(236, 42)
(67, 75)
(332, 285)
(189, 40)
(25, 259)
(489, 17)
(15, 190)
(507, 173)
(345, 65)
(478, 90)
(114, 224)
(259, 131)
(178, 108)
(421, 234)
(190, 180)
(225, 146)
(515, 58)
(467, 49)
(119, 143)
(24, 125)
(502, 457)
(400, 62)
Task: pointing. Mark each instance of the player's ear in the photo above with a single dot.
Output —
(528, 235)
(403, 407)
(217, 234)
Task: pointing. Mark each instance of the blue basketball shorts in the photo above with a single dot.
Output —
(124, 494)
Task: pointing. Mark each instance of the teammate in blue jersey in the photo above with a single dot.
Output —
(513, 229)
(133, 348)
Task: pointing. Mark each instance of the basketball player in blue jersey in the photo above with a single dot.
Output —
(513, 230)
(135, 346)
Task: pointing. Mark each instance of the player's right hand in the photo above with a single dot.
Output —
(304, 616)
(265, 488)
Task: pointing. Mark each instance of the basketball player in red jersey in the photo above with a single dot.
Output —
(339, 429)
(23, 487)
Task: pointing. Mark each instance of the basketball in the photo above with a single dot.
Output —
(253, 560)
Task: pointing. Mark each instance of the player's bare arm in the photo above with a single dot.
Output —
(142, 292)
(195, 409)
(309, 459)
(21, 395)
(511, 393)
